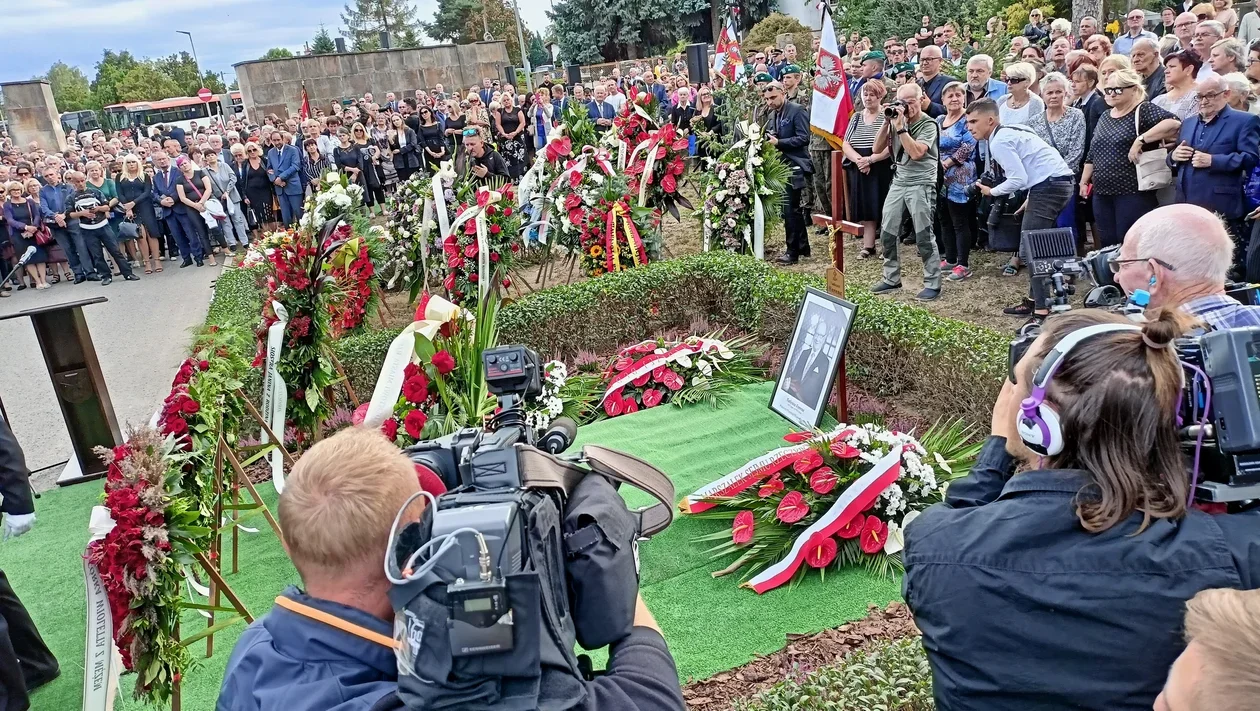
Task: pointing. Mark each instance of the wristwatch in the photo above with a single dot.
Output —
(901, 131)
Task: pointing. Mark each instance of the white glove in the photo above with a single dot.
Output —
(17, 524)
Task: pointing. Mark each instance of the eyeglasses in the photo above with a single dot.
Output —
(1015, 80)
(1116, 90)
(1115, 263)
(1202, 17)
(1211, 94)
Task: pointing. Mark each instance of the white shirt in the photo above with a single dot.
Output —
(616, 100)
(1025, 158)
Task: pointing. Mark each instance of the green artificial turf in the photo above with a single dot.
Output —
(710, 624)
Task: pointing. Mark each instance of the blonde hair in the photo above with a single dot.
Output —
(1226, 625)
(1127, 77)
(1114, 62)
(1206, 9)
(132, 159)
(1021, 70)
(93, 164)
(14, 184)
(340, 500)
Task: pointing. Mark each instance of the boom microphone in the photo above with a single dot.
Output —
(26, 257)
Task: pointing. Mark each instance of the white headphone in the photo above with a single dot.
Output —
(1038, 423)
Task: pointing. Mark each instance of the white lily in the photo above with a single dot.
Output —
(896, 534)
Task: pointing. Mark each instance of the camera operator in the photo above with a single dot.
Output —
(1030, 164)
(331, 646)
(1063, 586)
(914, 139)
(1220, 668)
(1181, 255)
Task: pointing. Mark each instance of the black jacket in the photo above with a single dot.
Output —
(933, 91)
(791, 125)
(1021, 608)
(15, 483)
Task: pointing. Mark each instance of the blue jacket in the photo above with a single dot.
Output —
(164, 187)
(1233, 140)
(1021, 608)
(53, 199)
(180, 137)
(286, 163)
(290, 662)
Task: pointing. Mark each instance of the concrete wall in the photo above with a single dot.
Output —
(32, 115)
(275, 85)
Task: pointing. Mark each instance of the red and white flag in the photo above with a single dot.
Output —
(832, 104)
(727, 60)
(304, 111)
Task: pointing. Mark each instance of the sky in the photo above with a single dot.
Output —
(225, 31)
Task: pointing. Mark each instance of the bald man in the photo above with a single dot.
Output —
(933, 81)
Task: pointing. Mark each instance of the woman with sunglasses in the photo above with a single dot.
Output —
(456, 121)
(1133, 125)
(432, 140)
(370, 173)
(23, 220)
(259, 192)
(404, 148)
(136, 193)
(478, 116)
(1020, 104)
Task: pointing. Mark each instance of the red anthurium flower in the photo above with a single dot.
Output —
(658, 373)
(631, 405)
(613, 405)
(451, 246)
(572, 200)
(622, 363)
(455, 263)
(819, 553)
(652, 397)
(642, 379)
(853, 528)
(742, 527)
(874, 535)
(471, 250)
(483, 197)
(668, 183)
(449, 282)
(797, 437)
(842, 450)
(770, 488)
(792, 508)
(674, 381)
(823, 480)
(470, 227)
(576, 216)
(559, 148)
(810, 461)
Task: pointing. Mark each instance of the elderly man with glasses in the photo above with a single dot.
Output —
(1135, 29)
(1215, 153)
(1206, 34)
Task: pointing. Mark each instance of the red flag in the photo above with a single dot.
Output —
(832, 105)
(304, 111)
(727, 60)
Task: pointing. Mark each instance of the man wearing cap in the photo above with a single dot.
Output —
(933, 81)
(761, 113)
(788, 131)
(873, 70)
(776, 63)
(902, 73)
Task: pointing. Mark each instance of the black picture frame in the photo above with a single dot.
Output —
(803, 388)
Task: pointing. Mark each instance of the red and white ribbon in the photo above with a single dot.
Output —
(652, 361)
(752, 473)
(855, 499)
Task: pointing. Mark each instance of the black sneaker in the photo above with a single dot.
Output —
(1023, 308)
(884, 286)
(80, 279)
(928, 294)
(131, 277)
(200, 263)
(185, 263)
(107, 281)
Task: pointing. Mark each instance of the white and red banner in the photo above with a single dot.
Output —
(727, 59)
(680, 353)
(275, 401)
(860, 495)
(753, 472)
(832, 103)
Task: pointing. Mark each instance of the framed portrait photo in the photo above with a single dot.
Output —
(812, 360)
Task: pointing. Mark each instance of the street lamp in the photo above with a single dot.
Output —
(194, 52)
(520, 40)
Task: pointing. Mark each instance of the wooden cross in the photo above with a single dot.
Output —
(837, 226)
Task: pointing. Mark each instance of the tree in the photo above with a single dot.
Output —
(465, 21)
(213, 82)
(407, 39)
(323, 43)
(182, 69)
(277, 53)
(70, 87)
(538, 54)
(366, 19)
(592, 31)
(109, 71)
(145, 82)
(766, 32)
(234, 86)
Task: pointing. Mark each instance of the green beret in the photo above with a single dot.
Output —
(901, 68)
(790, 69)
(762, 76)
(874, 54)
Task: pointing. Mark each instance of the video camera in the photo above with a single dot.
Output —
(489, 589)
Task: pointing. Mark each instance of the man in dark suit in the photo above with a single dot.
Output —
(487, 90)
(177, 133)
(599, 110)
(1214, 156)
(282, 167)
(25, 661)
(789, 132)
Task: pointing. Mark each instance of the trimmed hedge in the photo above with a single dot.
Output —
(894, 349)
(237, 298)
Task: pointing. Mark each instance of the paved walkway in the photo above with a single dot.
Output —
(141, 334)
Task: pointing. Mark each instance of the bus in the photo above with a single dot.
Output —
(83, 123)
(180, 111)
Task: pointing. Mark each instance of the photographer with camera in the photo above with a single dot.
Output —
(1181, 255)
(913, 138)
(333, 646)
(1063, 585)
(1029, 164)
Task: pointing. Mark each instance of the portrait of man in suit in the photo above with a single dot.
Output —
(812, 359)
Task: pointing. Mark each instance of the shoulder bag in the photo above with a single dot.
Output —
(1153, 172)
(43, 235)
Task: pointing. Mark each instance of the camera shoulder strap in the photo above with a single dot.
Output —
(540, 469)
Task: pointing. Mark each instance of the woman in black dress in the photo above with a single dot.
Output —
(135, 197)
(259, 192)
(348, 158)
(432, 140)
(509, 124)
(370, 156)
(705, 121)
(868, 176)
(456, 121)
(405, 148)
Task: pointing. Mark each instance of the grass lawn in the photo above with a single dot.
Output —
(711, 624)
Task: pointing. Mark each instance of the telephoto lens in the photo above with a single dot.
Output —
(890, 111)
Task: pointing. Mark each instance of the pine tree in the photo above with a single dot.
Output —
(538, 54)
(366, 19)
(464, 21)
(323, 42)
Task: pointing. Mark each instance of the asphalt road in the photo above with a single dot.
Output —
(141, 334)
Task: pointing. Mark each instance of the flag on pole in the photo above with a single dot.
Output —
(304, 111)
(832, 104)
(728, 61)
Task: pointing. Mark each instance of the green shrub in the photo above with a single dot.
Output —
(893, 676)
(894, 349)
(362, 355)
(237, 299)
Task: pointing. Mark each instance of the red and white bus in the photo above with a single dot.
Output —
(180, 111)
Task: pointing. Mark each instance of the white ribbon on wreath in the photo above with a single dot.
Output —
(102, 661)
(758, 228)
(477, 213)
(275, 396)
(402, 351)
(435, 203)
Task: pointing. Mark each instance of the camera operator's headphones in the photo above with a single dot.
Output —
(1038, 423)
